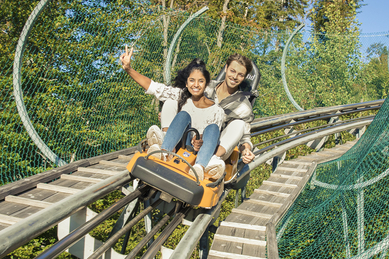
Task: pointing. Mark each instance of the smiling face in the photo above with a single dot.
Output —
(196, 83)
(235, 74)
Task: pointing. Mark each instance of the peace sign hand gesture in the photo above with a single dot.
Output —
(125, 58)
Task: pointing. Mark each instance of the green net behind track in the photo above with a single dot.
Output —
(343, 210)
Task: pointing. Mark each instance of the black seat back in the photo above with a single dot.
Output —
(249, 84)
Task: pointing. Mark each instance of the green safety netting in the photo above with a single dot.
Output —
(81, 104)
(343, 210)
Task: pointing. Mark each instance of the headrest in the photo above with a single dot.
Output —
(249, 84)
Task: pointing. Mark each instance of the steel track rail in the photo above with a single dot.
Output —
(271, 121)
(150, 235)
(317, 131)
(309, 119)
(85, 228)
(312, 129)
(16, 235)
(155, 247)
(189, 242)
(279, 150)
(114, 238)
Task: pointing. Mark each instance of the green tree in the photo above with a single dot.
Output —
(376, 71)
(328, 71)
(320, 13)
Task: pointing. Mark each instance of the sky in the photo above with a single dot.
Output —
(374, 23)
(373, 16)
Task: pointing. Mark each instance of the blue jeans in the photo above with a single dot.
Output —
(179, 125)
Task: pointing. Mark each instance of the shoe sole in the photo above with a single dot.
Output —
(215, 171)
(154, 137)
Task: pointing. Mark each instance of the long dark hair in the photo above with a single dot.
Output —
(182, 76)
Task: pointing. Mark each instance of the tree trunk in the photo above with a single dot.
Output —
(176, 53)
(166, 21)
(223, 24)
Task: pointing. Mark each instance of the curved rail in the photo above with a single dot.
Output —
(18, 93)
(174, 41)
(284, 53)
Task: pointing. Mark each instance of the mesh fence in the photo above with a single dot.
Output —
(343, 210)
(81, 103)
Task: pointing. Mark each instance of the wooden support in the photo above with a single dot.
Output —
(80, 178)
(242, 240)
(242, 226)
(265, 203)
(280, 184)
(128, 158)
(251, 213)
(57, 188)
(27, 201)
(292, 162)
(291, 169)
(231, 255)
(285, 176)
(97, 171)
(280, 194)
(111, 163)
(9, 219)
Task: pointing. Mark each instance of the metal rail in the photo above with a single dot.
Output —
(154, 248)
(150, 235)
(113, 239)
(188, 243)
(277, 120)
(311, 129)
(282, 142)
(85, 228)
(16, 235)
(264, 157)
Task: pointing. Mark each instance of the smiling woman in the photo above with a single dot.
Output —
(194, 111)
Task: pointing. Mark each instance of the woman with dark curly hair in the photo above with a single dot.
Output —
(194, 110)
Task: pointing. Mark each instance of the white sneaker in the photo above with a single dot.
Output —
(155, 147)
(155, 136)
(215, 168)
(199, 170)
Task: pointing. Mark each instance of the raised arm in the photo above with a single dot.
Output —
(142, 80)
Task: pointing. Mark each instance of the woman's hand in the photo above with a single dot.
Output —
(247, 156)
(125, 58)
(197, 143)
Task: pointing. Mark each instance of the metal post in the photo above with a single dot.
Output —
(243, 194)
(203, 253)
(148, 223)
(237, 198)
(361, 217)
(345, 227)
